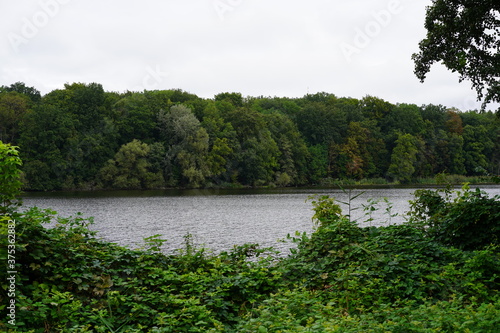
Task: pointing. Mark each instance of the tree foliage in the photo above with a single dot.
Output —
(131, 169)
(465, 36)
(69, 135)
(403, 159)
(13, 109)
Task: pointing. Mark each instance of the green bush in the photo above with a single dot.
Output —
(304, 311)
(68, 280)
(468, 220)
(10, 177)
(343, 278)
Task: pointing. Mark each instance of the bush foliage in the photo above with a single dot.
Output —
(468, 220)
(341, 278)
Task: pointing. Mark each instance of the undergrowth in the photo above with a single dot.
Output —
(439, 272)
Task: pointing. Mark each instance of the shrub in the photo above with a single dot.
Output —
(469, 221)
(10, 177)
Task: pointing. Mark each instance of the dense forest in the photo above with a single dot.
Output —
(83, 137)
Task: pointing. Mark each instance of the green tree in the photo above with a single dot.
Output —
(45, 136)
(322, 124)
(258, 160)
(405, 118)
(10, 177)
(478, 147)
(318, 165)
(257, 154)
(13, 108)
(293, 153)
(222, 143)
(21, 88)
(234, 98)
(135, 118)
(192, 159)
(435, 134)
(86, 103)
(465, 36)
(93, 139)
(177, 124)
(403, 158)
(351, 107)
(165, 99)
(375, 108)
(282, 105)
(434, 115)
(246, 122)
(456, 154)
(131, 169)
(187, 145)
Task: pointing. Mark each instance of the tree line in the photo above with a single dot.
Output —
(83, 137)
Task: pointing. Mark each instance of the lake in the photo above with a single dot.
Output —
(218, 219)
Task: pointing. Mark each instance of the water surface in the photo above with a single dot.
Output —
(218, 219)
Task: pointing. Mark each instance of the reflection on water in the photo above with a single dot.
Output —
(218, 219)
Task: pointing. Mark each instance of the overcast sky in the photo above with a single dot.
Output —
(272, 48)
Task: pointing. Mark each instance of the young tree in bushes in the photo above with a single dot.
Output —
(10, 176)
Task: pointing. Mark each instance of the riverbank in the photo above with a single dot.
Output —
(437, 181)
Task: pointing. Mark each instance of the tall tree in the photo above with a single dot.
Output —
(45, 137)
(21, 88)
(135, 118)
(322, 124)
(478, 147)
(403, 158)
(131, 169)
(318, 165)
(293, 150)
(456, 154)
(13, 108)
(85, 102)
(405, 118)
(465, 36)
(94, 140)
(256, 157)
(222, 143)
(375, 108)
(234, 98)
(187, 145)
(454, 122)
